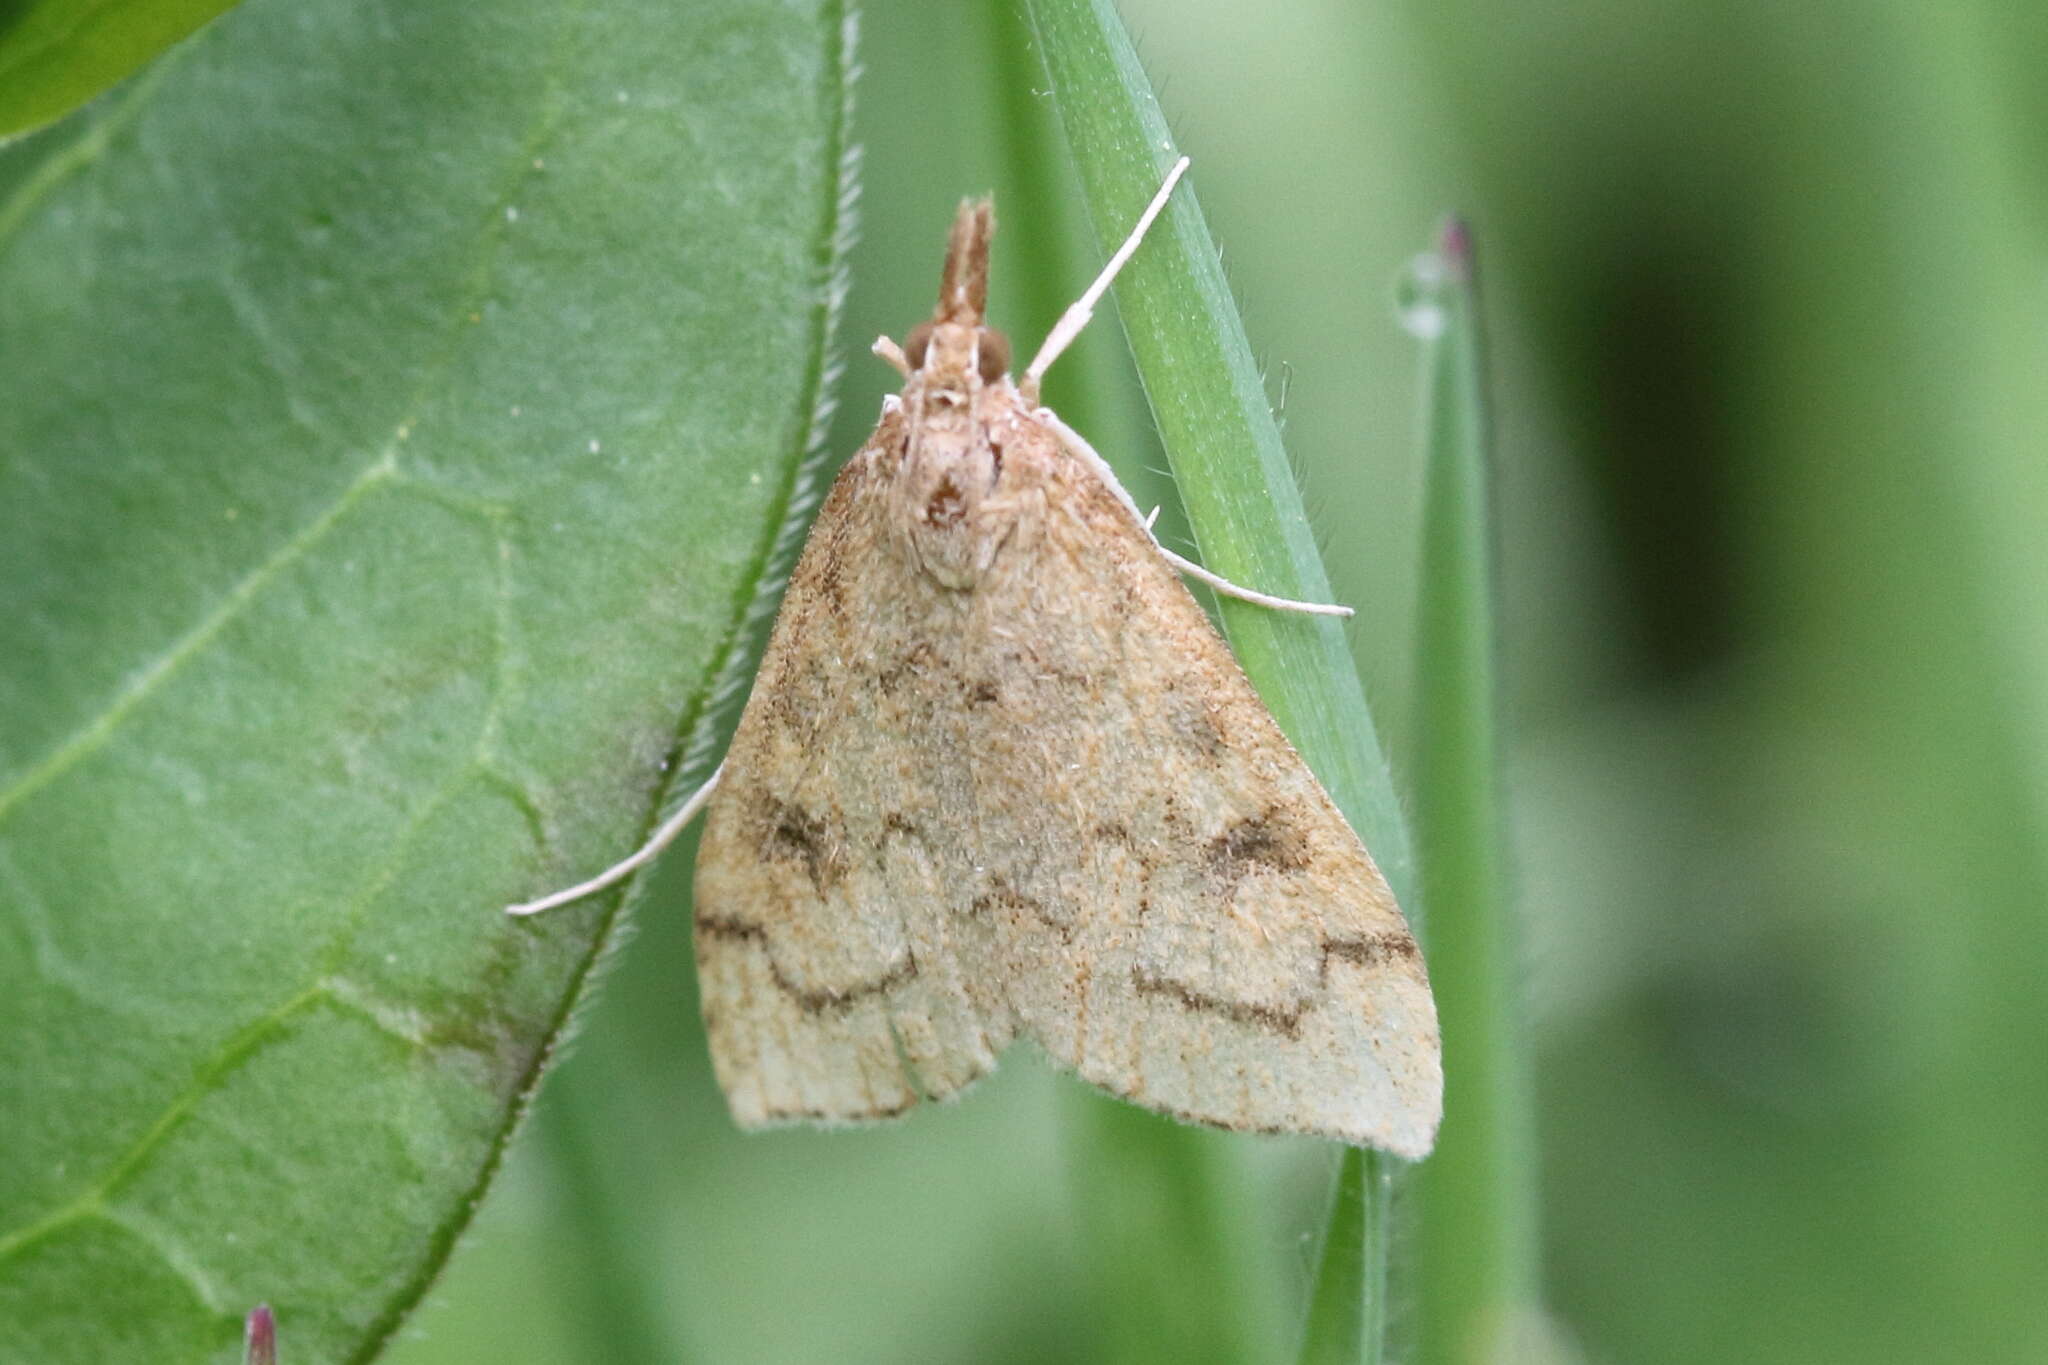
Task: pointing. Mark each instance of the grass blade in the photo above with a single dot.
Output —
(1347, 1303)
(1474, 1244)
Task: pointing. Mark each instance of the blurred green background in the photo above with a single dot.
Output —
(1766, 288)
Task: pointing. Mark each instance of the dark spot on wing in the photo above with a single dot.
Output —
(1171, 812)
(1395, 945)
(1006, 900)
(911, 665)
(786, 832)
(1267, 840)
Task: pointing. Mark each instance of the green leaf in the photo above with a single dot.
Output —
(1475, 1239)
(401, 412)
(57, 54)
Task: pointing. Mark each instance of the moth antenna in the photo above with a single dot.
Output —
(1253, 595)
(1077, 446)
(1076, 317)
(634, 861)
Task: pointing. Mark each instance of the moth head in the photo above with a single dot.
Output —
(956, 343)
(939, 347)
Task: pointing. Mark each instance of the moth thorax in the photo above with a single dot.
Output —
(941, 496)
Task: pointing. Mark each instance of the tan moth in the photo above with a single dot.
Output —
(999, 777)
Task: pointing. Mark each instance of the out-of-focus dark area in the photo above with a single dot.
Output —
(1768, 297)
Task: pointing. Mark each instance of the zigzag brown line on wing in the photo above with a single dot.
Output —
(1226, 949)
(830, 992)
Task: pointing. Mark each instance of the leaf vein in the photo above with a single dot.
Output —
(94, 734)
(175, 1255)
(244, 1044)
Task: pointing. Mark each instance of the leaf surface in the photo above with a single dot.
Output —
(401, 406)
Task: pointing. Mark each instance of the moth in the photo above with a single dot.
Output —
(999, 777)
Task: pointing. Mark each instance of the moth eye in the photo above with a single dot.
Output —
(994, 348)
(916, 344)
